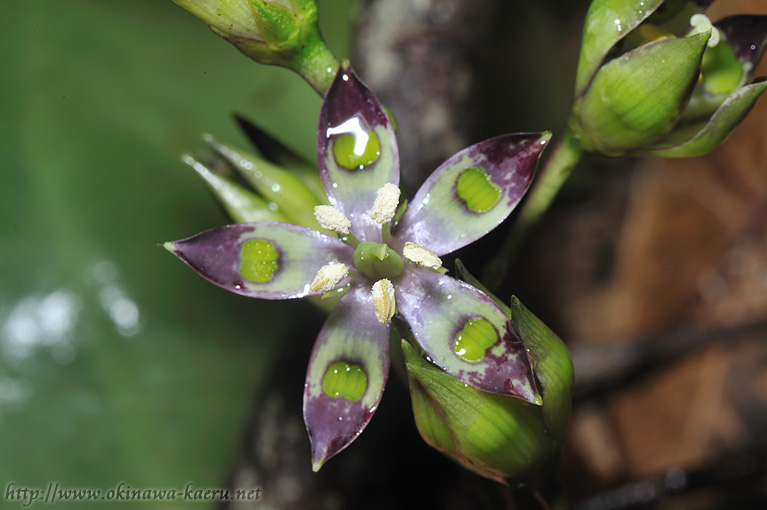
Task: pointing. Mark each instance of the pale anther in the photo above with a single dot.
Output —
(328, 277)
(383, 300)
(421, 255)
(332, 219)
(385, 205)
(701, 23)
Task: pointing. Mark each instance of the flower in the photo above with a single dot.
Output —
(657, 77)
(385, 261)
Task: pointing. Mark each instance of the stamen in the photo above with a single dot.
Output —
(383, 300)
(421, 255)
(328, 277)
(332, 219)
(385, 205)
(701, 23)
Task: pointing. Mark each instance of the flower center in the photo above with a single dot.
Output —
(377, 261)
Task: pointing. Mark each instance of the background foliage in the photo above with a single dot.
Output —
(115, 363)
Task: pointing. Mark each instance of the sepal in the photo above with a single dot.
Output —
(240, 203)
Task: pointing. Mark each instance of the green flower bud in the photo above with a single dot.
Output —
(233, 17)
(635, 99)
(498, 437)
(657, 77)
(275, 32)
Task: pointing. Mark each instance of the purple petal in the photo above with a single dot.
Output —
(441, 313)
(355, 130)
(261, 260)
(446, 214)
(347, 374)
(747, 35)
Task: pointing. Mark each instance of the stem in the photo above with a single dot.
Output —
(558, 168)
(316, 64)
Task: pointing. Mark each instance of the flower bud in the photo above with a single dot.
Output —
(234, 17)
(499, 437)
(275, 32)
(657, 77)
(635, 99)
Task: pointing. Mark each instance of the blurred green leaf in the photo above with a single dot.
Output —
(116, 362)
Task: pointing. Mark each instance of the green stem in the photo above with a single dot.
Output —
(316, 64)
(558, 168)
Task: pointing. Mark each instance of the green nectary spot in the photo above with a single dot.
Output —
(345, 380)
(357, 150)
(476, 189)
(258, 260)
(477, 336)
(721, 69)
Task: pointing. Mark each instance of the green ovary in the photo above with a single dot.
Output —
(349, 155)
(476, 189)
(258, 260)
(345, 380)
(377, 261)
(472, 342)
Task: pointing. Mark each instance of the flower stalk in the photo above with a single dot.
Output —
(556, 170)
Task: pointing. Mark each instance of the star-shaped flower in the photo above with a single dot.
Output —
(384, 261)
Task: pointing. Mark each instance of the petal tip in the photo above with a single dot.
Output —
(317, 462)
(170, 246)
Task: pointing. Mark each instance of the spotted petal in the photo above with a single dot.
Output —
(263, 260)
(472, 192)
(356, 149)
(465, 333)
(346, 377)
